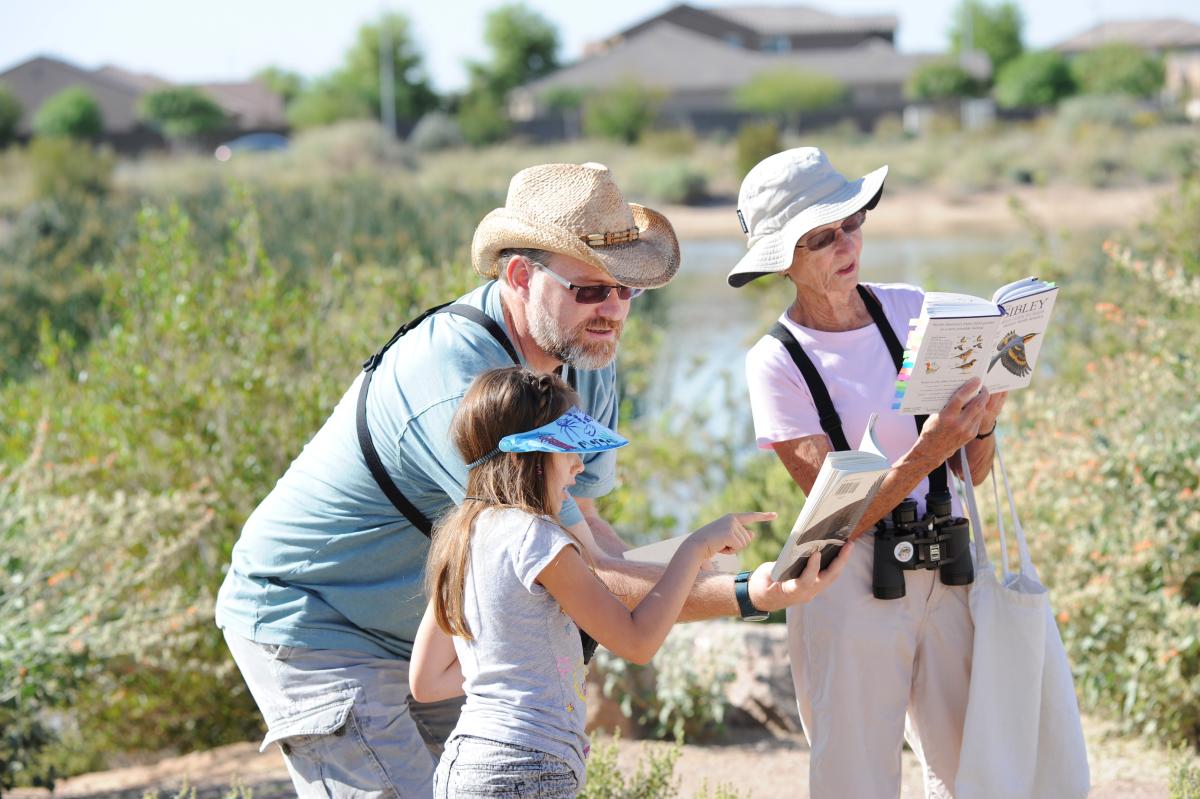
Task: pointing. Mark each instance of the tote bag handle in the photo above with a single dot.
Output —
(1027, 567)
(967, 489)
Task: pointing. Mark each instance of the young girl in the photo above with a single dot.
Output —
(510, 584)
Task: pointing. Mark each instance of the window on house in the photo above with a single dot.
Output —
(733, 40)
(777, 44)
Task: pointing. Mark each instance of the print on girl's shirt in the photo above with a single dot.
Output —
(578, 672)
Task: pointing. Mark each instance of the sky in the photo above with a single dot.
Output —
(216, 40)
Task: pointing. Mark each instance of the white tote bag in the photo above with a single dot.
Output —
(1022, 737)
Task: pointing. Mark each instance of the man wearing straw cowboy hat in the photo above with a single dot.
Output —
(323, 597)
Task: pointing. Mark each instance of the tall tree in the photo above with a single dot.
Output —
(993, 29)
(353, 90)
(524, 47)
(284, 82)
(359, 73)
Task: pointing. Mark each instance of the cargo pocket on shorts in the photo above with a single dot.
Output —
(326, 749)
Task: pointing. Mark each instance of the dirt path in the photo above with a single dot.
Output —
(931, 212)
(757, 766)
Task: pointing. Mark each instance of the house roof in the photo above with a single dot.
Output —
(1150, 34)
(140, 81)
(250, 104)
(676, 59)
(36, 80)
(767, 20)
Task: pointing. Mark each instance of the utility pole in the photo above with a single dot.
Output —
(387, 79)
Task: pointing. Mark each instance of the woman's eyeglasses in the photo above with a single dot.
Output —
(590, 295)
(823, 238)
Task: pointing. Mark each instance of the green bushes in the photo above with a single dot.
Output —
(675, 182)
(10, 115)
(786, 94)
(71, 602)
(64, 167)
(754, 143)
(1118, 69)
(681, 693)
(1112, 462)
(622, 112)
(72, 112)
(1034, 80)
(214, 364)
(181, 112)
(942, 80)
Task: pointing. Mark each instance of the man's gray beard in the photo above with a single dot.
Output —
(569, 347)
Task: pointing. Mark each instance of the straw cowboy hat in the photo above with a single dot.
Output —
(577, 210)
(789, 194)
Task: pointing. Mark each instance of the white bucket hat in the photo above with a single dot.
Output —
(784, 197)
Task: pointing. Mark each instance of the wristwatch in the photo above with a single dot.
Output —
(741, 590)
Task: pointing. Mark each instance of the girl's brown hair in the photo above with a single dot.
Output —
(499, 403)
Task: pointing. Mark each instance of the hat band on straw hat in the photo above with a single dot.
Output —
(605, 239)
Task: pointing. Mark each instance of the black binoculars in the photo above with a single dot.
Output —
(938, 540)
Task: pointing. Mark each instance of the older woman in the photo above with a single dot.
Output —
(868, 672)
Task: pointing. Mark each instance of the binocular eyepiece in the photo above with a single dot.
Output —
(937, 540)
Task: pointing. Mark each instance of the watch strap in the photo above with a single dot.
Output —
(746, 609)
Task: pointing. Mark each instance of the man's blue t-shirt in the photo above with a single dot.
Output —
(326, 561)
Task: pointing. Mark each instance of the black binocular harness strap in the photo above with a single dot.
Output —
(382, 478)
(831, 422)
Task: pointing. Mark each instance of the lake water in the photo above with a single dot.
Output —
(709, 326)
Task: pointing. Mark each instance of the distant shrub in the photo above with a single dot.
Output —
(787, 94)
(675, 142)
(349, 146)
(889, 127)
(1034, 80)
(755, 141)
(940, 80)
(435, 131)
(10, 115)
(1118, 69)
(483, 118)
(65, 167)
(181, 112)
(1077, 114)
(72, 112)
(677, 182)
(623, 112)
(324, 103)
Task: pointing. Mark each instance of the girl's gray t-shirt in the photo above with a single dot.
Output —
(524, 674)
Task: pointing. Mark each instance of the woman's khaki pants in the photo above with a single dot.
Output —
(870, 673)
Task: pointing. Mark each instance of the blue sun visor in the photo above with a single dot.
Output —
(574, 431)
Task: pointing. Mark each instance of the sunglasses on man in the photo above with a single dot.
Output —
(823, 238)
(590, 295)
